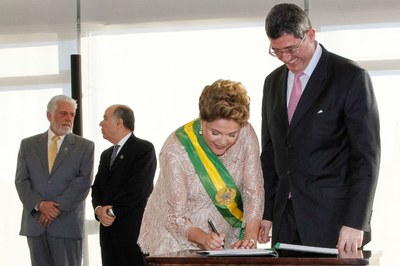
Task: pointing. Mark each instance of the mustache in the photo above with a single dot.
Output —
(69, 124)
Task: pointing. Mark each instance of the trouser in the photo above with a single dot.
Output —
(131, 255)
(288, 232)
(47, 250)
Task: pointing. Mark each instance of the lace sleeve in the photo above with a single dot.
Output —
(253, 183)
(177, 172)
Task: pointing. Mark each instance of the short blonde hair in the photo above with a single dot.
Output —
(225, 99)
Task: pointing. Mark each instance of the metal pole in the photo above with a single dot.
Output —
(306, 7)
(78, 26)
(76, 80)
(76, 91)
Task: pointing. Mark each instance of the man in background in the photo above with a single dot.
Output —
(53, 178)
(121, 188)
(320, 140)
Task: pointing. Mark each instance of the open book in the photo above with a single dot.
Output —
(239, 252)
(269, 252)
(301, 248)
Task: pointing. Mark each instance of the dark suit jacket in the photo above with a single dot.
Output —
(68, 184)
(328, 158)
(126, 186)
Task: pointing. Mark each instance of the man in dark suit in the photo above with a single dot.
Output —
(121, 188)
(53, 194)
(320, 167)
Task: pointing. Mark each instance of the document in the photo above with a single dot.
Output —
(332, 251)
(239, 252)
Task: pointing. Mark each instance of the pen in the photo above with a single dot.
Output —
(211, 224)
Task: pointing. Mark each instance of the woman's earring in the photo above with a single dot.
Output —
(201, 131)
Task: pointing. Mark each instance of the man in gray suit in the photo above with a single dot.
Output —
(53, 194)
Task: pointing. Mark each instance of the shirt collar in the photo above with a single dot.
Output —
(50, 135)
(123, 140)
(314, 60)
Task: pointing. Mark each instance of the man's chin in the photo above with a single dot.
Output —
(64, 131)
(67, 130)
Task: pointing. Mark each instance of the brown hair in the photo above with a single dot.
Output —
(225, 99)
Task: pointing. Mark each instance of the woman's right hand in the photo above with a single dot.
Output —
(207, 240)
(213, 242)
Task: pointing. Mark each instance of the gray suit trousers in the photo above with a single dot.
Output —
(47, 250)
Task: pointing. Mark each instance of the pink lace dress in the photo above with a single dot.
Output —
(180, 202)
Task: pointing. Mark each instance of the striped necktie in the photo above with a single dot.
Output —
(114, 154)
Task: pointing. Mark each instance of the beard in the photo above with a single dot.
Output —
(62, 129)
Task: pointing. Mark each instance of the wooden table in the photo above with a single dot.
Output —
(192, 258)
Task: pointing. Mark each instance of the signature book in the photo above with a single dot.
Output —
(301, 248)
(239, 252)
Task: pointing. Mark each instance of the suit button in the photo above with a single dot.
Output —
(289, 172)
(49, 182)
(289, 146)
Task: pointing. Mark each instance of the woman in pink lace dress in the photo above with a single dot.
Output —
(209, 170)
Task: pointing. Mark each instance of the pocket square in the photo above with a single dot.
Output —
(320, 112)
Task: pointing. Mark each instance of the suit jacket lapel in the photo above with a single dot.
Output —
(41, 150)
(315, 86)
(122, 153)
(282, 97)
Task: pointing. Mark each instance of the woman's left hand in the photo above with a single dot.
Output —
(245, 244)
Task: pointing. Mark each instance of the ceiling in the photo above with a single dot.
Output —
(21, 16)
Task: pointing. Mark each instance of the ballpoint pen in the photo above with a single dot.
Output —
(211, 224)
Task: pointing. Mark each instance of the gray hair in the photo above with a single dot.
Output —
(126, 114)
(52, 105)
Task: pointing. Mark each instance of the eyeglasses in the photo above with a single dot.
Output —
(291, 50)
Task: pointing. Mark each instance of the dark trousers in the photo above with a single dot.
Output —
(288, 232)
(112, 255)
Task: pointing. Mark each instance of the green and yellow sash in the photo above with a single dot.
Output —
(215, 178)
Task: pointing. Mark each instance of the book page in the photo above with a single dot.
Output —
(302, 248)
(239, 252)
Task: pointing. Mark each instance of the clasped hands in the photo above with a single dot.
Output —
(48, 212)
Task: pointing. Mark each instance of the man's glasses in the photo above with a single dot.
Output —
(291, 50)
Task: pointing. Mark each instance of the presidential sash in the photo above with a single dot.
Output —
(215, 178)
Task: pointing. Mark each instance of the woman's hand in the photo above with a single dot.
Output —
(245, 244)
(212, 241)
(250, 236)
(207, 240)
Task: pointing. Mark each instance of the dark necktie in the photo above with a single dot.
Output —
(114, 154)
